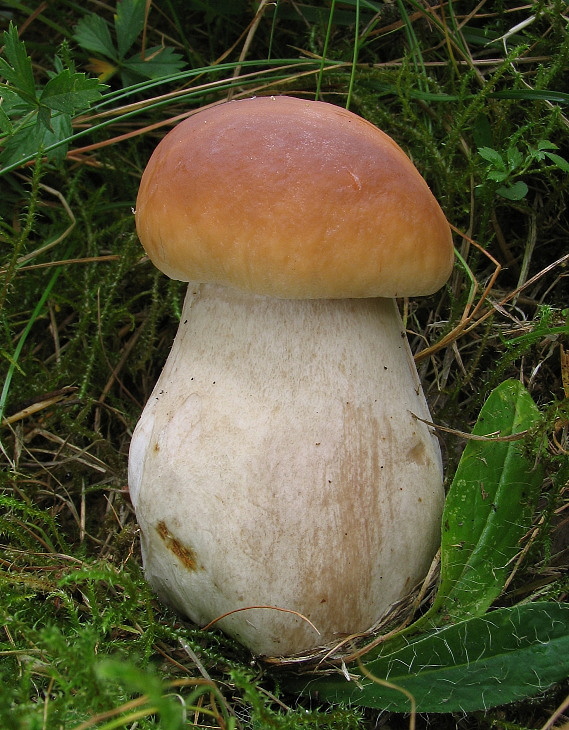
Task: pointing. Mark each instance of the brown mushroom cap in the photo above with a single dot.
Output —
(293, 199)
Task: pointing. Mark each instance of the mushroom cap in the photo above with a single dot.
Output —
(293, 199)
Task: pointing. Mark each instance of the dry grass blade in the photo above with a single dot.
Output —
(378, 680)
(47, 400)
(467, 321)
(556, 715)
(260, 607)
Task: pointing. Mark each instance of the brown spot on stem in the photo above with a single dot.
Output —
(184, 554)
(418, 453)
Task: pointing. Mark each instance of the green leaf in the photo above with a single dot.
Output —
(516, 191)
(508, 655)
(559, 161)
(129, 23)
(545, 144)
(13, 105)
(33, 137)
(489, 507)
(493, 156)
(92, 33)
(5, 123)
(70, 92)
(44, 118)
(17, 67)
(498, 175)
(515, 157)
(158, 62)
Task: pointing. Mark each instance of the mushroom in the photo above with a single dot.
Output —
(281, 479)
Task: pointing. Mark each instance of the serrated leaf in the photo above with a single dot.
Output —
(516, 191)
(545, 144)
(129, 23)
(477, 664)
(158, 62)
(20, 145)
(6, 126)
(559, 161)
(92, 33)
(17, 67)
(70, 92)
(44, 118)
(493, 156)
(33, 137)
(61, 130)
(13, 105)
(489, 507)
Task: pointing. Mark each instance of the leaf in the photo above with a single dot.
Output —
(17, 69)
(489, 507)
(516, 191)
(104, 70)
(559, 161)
(498, 175)
(158, 62)
(44, 117)
(515, 157)
(5, 123)
(129, 23)
(70, 92)
(493, 156)
(92, 33)
(31, 138)
(545, 144)
(508, 655)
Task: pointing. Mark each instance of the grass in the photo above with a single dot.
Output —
(86, 323)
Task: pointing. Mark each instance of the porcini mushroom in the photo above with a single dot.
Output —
(278, 465)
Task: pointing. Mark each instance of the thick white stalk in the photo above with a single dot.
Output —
(278, 463)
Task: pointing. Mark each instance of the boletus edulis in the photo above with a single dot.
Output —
(278, 466)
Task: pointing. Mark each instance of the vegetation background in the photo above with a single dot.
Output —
(476, 93)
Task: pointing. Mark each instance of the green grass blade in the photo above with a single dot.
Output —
(23, 337)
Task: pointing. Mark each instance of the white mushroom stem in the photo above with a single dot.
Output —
(279, 463)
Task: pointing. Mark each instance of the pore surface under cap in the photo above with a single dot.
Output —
(291, 198)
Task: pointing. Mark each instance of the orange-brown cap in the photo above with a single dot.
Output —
(294, 199)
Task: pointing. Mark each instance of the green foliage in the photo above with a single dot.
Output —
(33, 119)
(548, 325)
(93, 33)
(489, 507)
(27, 526)
(477, 664)
(505, 168)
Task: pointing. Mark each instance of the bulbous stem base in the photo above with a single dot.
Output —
(278, 463)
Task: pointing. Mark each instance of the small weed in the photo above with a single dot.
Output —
(33, 119)
(508, 167)
(93, 33)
